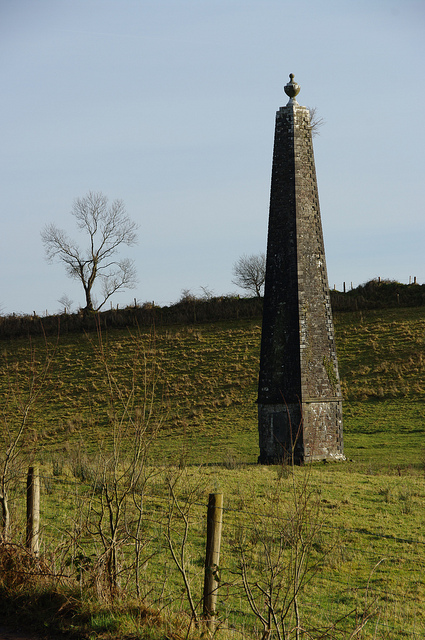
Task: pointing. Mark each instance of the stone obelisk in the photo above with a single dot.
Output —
(299, 394)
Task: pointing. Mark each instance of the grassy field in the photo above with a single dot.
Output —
(205, 384)
(198, 384)
(358, 536)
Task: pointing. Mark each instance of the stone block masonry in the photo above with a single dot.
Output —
(299, 393)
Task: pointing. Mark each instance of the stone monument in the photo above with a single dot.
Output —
(299, 393)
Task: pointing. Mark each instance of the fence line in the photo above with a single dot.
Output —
(156, 512)
(259, 516)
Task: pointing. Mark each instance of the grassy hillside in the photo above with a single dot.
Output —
(382, 366)
(204, 381)
(360, 523)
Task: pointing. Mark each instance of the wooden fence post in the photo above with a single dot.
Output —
(33, 510)
(212, 557)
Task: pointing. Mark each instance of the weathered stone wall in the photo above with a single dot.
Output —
(281, 432)
(299, 389)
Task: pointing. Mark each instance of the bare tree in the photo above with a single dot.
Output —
(114, 511)
(316, 121)
(66, 303)
(107, 228)
(250, 272)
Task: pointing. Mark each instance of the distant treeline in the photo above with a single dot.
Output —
(379, 294)
(190, 310)
(375, 294)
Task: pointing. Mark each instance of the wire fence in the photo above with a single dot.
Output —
(282, 563)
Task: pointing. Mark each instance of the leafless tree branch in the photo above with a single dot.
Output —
(107, 228)
(250, 272)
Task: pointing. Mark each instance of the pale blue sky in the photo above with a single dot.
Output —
(169, 105)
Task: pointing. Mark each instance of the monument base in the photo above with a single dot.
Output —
(301, 432)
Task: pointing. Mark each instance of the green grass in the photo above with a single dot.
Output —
(205, 380)
(205, 383)
(382, 366)
(368, 541)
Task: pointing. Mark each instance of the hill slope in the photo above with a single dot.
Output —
(201, 380)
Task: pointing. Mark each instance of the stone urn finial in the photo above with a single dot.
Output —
(292, 89)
